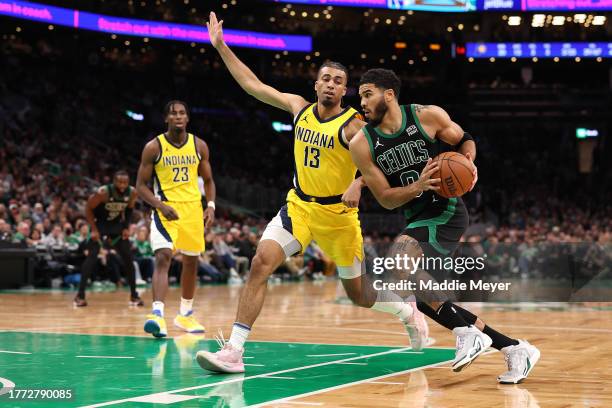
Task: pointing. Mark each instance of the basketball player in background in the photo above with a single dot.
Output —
(108, 212)
(314, 209)
(394, 154)
(174, 160)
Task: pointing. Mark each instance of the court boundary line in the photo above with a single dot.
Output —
(558, 328)
(207, 339)
(14, 352)
(337, 387)
(145, 336)
(197, 387)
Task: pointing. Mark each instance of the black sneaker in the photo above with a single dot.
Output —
(79, 302)
(136, 301)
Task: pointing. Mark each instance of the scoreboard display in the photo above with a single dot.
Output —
(539, 50)
(545, 5)
(466, 5)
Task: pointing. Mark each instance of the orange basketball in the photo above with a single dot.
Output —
(455, 174)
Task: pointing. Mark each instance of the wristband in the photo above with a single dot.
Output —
(465, 138)
(211, 204)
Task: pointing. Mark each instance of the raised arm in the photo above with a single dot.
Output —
(246, 78)
(205, 171)
(387, 196)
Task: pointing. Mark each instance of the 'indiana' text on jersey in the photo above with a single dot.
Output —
(176, 170)
(323, 164)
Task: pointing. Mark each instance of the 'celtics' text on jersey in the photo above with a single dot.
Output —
(403, 155)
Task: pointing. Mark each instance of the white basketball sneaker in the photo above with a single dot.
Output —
(520, 359)
(227, 360)
(471, 343)
(417, 329)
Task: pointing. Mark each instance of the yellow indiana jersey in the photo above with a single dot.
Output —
(323, 164)
(175, 175)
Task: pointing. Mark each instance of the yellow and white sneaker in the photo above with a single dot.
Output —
(188, 323)
(156, 325)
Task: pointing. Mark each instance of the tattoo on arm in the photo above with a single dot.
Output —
(419, 108)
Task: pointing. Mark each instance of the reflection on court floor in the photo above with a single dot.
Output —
(135, 371)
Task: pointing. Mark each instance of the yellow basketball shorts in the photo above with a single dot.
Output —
(334, 227)
(185, 235)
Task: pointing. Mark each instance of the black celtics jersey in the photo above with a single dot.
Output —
(111, 216)
(403, 155)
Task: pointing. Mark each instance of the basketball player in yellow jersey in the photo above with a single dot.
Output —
(174, 160)
(324, 181)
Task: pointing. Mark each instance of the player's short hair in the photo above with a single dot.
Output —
(170, 104)
(120, 173)
(383, 79)
(335, 65)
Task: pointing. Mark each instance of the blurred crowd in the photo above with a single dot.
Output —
(64, 129)
(61, 248)
(522, 244)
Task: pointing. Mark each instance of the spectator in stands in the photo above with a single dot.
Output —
(67, 230)
(5, 231)
(144, 254)
(207, 272)
(22, 236)
(35, 237)
(14, 214)
(82, 234)
(232, 240)
(3, 211)
(38, 215)
(320, 265)
(55, 238)
(223, 251)
(246, 243)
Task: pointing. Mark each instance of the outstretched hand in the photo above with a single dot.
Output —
(215, 30)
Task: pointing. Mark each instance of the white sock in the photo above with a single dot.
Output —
(186, 306)
(239, 335)
(159, 307)
(389, 302)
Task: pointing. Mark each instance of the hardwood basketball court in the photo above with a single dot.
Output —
(305, 350)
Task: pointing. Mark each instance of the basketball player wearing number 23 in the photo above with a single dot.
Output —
(394, 154)
(174, 160)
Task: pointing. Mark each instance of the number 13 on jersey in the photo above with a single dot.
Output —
(311, 153)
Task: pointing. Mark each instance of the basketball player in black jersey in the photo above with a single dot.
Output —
(108, 213)
(394, 154)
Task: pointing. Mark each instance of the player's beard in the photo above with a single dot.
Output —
(377, 115)
(328, 103)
